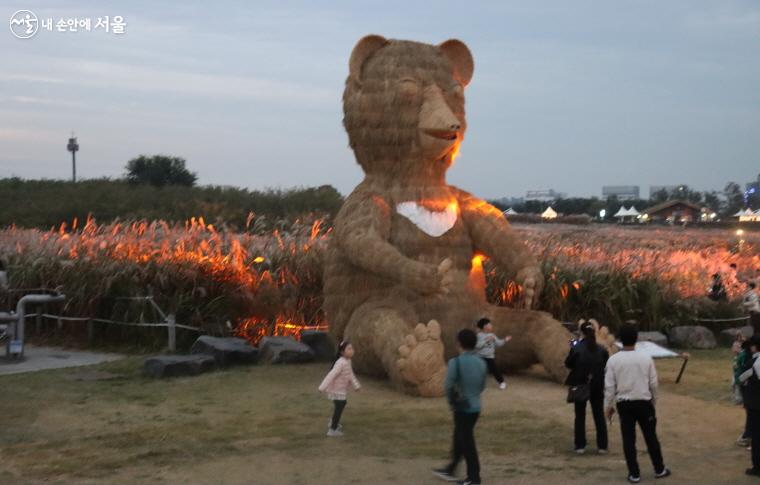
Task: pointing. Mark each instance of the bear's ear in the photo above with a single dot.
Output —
(460, 58)
(366, 46)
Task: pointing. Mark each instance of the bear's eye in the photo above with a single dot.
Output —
(409, 88)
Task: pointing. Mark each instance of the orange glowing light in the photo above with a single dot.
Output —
(477, 277)
(455, 150)
(226, 257)
(254, 329)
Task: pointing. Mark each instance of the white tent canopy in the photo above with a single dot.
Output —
(549, 213)
(748, 215)
(623, 212)
(746, 212)
(510, 212)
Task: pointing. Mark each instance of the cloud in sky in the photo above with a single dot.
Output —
(565, 95)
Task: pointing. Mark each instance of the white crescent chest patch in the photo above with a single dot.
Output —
(432, 223)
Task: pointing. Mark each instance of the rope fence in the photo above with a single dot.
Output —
(114, 322)
(169, 322)
(719, 324)
(737, 319)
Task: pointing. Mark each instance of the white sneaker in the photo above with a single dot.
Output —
(334, 432)
(503, 386)
(580, 451)
(602, 451)
(329, 425)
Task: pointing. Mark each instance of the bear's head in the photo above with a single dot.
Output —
(403, 105)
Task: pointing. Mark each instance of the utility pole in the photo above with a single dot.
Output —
(73, 147)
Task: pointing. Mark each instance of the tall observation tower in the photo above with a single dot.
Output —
(73, 147)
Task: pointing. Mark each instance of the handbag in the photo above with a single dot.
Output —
(457, 400)
(579, 393)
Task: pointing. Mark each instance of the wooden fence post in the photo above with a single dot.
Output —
(171, 321)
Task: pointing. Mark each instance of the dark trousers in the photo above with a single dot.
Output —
(641, 412)
(339, 404)
(491, 364)
(597, 410)
(753, 423)
(745, 433)
(754, 320)
(464, 445)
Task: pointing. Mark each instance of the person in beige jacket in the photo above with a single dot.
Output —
(335, 384)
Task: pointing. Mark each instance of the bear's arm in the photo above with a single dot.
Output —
(362, 232)
(492, 235)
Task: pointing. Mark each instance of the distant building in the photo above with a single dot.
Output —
(622, 192)
(673, 211)
(544, 195)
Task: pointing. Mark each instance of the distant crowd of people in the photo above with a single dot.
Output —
(717, 292)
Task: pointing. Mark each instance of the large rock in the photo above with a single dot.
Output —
(692, 337)
(177, 365)
(226, 351)
(728, 335)
(320, 343)
(658, 338)
(284, 350)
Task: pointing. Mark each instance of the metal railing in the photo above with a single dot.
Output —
(169, 321)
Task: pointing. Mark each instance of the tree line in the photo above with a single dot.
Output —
(154, 187)
(724, 203)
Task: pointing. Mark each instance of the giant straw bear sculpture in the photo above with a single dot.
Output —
(405, 242)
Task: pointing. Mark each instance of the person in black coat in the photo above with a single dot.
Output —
(586, 362)
(717, 290)
(750, 379)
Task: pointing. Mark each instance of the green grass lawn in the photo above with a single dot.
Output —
(63, 426)
(58, 426)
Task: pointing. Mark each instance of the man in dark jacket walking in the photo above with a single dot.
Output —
(465, 381)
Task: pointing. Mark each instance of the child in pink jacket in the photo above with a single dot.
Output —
(336, 383)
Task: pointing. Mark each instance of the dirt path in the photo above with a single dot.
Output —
(697, 439)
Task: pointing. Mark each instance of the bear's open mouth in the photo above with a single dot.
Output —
(443, 134)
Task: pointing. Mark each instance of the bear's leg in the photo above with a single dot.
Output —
(536, 337)
(386, 342)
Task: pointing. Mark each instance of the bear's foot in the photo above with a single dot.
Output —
(421, 363)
